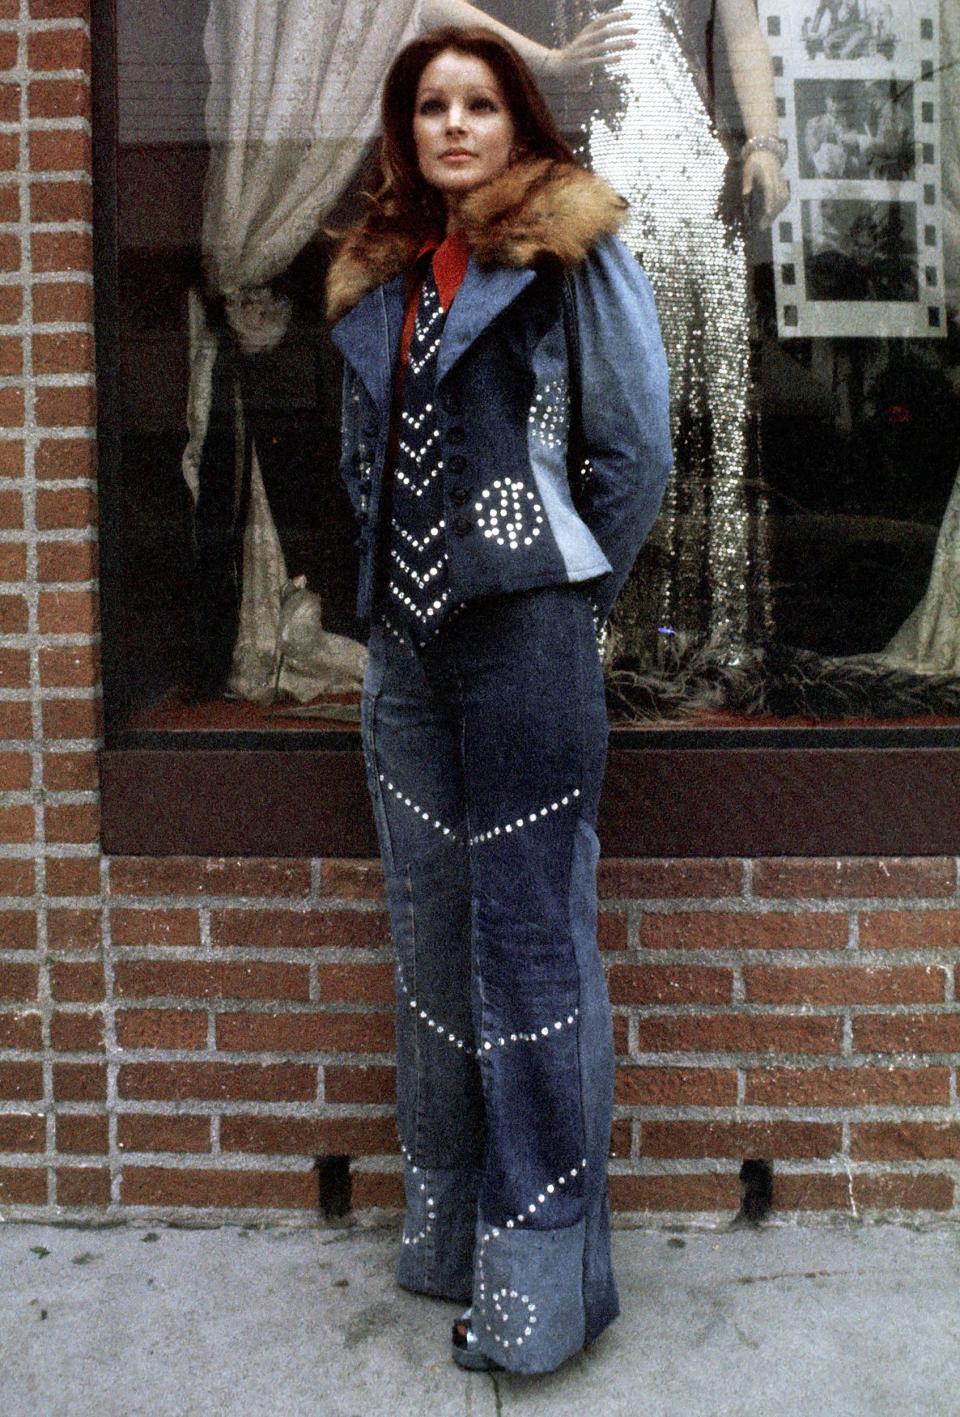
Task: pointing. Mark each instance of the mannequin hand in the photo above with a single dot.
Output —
(602, 41)
(763, 172)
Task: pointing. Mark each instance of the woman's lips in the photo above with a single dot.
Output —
(456, 156)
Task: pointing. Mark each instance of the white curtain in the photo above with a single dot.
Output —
(293, 102)
(929, 639)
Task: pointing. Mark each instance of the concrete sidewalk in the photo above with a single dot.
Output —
(834, 1321)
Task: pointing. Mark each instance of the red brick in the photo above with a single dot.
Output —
(18, 930)
(843, 984)
(20, 1030)
(292, 929)
(208, 876)
(82, 1132)
(676, 1087)
(781, 1139)
(910, 930)
(72, 822)
(859, 1086)
(611, 930)
(383, 1189)
(669, 984)
(11, 309)
(256, 1190)
(675, 1192)
(77, 983)
(62, 508)
(14, 669)
(146, 1132)
(17, 878)
(68, 612)
(859, 877)
(9, 111)
(58, 49)
(738, 1033)
(800, 1192)
(254, 1082)
(9, 9)
(374, 1136)
(21, 1080)
(70, 772)
(10, 255)
(16, 772)
(9, 151)
(359, 1084)
(67, 560)
(11, 408)
(58, 98)
(83, 1185)
(61, 201)
(13, 556)
(370, 982)
(907, 1033)
(22, 1132)
(16, 721)
(11, 355)
(154, 927)
(72, 875)
(69, 667)
(630, 879)
(18, 982)
(80, 1082)
(13, 615)
(905, 1141)
(725, 931)
(295, 1032)
(68, 302)
(61, 150)
(142, 978)
(162, 1028)
(73, 929)
(11, 509)
(73, 1032)
(72, 718)
(59, 9)
(899, 1192)
(16, 824)
(62, 354)
(66, 406)
(11, 462)
(351, 880)
(10, 209)
(8, 50)
(23, 1185)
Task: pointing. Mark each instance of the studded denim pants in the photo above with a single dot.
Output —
(485, 753)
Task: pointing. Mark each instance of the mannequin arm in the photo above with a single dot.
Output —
(597, 43)
(752, 71)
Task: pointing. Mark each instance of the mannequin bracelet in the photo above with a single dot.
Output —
(763, 143)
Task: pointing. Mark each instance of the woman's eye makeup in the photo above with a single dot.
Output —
(481, 104)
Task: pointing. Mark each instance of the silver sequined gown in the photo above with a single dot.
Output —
(704, 570)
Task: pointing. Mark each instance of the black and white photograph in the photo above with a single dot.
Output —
(860, 250)
(850, 29)
(855, 129)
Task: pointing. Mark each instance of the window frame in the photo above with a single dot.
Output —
(671, 791)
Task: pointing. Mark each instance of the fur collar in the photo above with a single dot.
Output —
(545, 210)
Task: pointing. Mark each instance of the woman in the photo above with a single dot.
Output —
(483, 294)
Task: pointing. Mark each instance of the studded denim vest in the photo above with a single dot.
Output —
(417, 595)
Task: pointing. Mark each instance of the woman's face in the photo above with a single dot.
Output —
(462, 128)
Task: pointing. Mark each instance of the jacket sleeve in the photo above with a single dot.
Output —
(624, 409)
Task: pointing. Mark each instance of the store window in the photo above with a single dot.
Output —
(799, 591)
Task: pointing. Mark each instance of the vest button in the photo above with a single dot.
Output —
(462, 526)
(458, 496)
(456, 433)
(452, 402)
(457, 463)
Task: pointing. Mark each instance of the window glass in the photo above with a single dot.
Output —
(806, 561)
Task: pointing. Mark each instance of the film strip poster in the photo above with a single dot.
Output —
(859, 250)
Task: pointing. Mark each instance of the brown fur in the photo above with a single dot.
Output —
(534, 211)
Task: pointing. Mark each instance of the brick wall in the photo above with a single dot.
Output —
(185, 1037)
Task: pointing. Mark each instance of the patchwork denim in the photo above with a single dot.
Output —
(485, 752)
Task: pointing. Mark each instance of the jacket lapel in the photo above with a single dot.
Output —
(484, 294)
(368, 337)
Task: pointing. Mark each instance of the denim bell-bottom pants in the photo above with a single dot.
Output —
(485, 753)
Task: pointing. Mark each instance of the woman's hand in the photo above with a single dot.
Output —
(603, 40)
(763, 174)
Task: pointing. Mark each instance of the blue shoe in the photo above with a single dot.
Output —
(465, 1347)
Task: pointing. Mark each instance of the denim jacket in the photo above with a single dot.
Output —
(520, 510)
